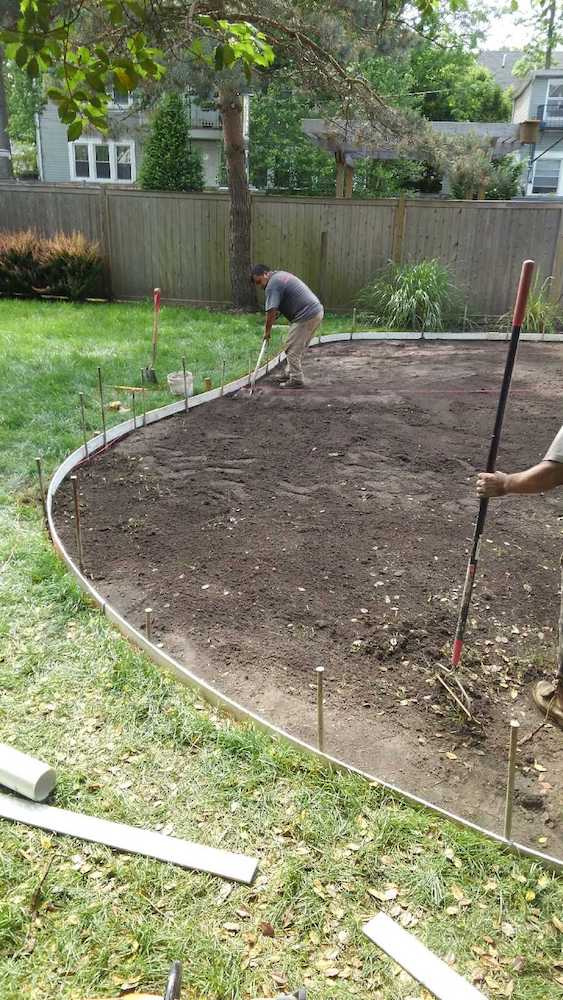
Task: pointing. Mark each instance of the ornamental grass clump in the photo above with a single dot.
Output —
(20, 267)
(72, 266)
(68, 266)
(418, 296)
(543, 313)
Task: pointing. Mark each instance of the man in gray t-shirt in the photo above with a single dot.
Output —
(539, 478)
(288, 295)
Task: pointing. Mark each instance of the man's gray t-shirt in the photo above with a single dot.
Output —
(291, 297)
(555, 451)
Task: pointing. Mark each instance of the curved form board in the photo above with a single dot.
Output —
(180, 670)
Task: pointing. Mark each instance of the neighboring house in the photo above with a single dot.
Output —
(116, 158)
(540, 98)
(501, 62)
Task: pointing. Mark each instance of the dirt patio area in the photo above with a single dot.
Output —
(331, 528)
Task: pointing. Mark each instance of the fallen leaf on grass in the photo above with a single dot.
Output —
(507, 929)
(266, 928)
(557, 923)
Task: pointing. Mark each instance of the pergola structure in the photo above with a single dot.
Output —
(348, 143)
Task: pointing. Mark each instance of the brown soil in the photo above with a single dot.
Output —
(330, 527)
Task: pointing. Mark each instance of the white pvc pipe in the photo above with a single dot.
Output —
(24, 774)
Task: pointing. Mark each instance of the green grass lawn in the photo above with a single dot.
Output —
(129, 744)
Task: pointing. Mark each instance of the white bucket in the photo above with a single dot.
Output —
(176, 383)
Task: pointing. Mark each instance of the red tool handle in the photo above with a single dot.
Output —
(518, 317)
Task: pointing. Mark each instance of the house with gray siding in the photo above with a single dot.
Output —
(540, 98)
(116, 158)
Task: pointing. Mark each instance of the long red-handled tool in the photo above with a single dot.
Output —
(150, 373)
(517, 319)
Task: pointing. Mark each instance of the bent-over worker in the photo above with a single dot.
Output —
(539, 478)
(288, 295)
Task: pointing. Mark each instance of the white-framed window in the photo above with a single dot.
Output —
(120, 98)
(548, 176)
(553, 110)
(102, 160)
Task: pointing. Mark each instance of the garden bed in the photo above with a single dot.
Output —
(330, 528)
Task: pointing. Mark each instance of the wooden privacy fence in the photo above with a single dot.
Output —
(179, 242)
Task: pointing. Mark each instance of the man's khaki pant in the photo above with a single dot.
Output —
(297, 339)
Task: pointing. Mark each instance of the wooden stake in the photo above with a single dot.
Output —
(353, 320)
(222, 376)
(42, 492)
(208, 384)
(148, 623)
(102, 405)
(83, 422)
(320, 714)
(74, 481)
(514, 727)
(250, 369)
(134, 408)
(186, 396)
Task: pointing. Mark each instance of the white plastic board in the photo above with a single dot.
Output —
(131, 839)
(408, 952)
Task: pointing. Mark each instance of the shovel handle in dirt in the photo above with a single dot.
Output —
(517, 320)
(258, 363)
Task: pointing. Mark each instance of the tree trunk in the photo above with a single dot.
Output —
(240, 209)
(551, 35)
(6, 172)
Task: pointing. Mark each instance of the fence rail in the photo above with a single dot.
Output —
(179, 241)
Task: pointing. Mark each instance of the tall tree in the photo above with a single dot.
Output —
(324, 42)
(169, 162)
(8, 12)
(544, 26)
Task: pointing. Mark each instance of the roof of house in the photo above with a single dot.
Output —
(501, 62)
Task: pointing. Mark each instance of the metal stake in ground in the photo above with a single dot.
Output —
(320, 710)
(42, 492)
(134, 408)
(102, 405)
(74, 481)
(83, 423)
(144, 400)
(148, 623)
(514, 727)
(186, 396)
(519, 312)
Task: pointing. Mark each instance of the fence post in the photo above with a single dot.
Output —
(106, 230)
(399, 229)
(557, 269)
(323, 255)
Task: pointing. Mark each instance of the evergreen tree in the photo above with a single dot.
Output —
(169, 162)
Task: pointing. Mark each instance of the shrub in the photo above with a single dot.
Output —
(20, 268)
(169, 162)
(66, 265)
(71, 266)
(543, 314)
(412, 297)
(506, 179)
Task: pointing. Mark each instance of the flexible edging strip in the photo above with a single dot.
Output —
(179, 670)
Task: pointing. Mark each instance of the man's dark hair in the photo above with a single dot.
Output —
(259, 269)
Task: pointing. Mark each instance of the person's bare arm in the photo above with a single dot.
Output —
(540, 478)
(271, 317)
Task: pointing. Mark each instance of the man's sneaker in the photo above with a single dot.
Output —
(292, 383)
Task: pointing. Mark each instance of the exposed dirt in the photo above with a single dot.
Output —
(330, 527)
